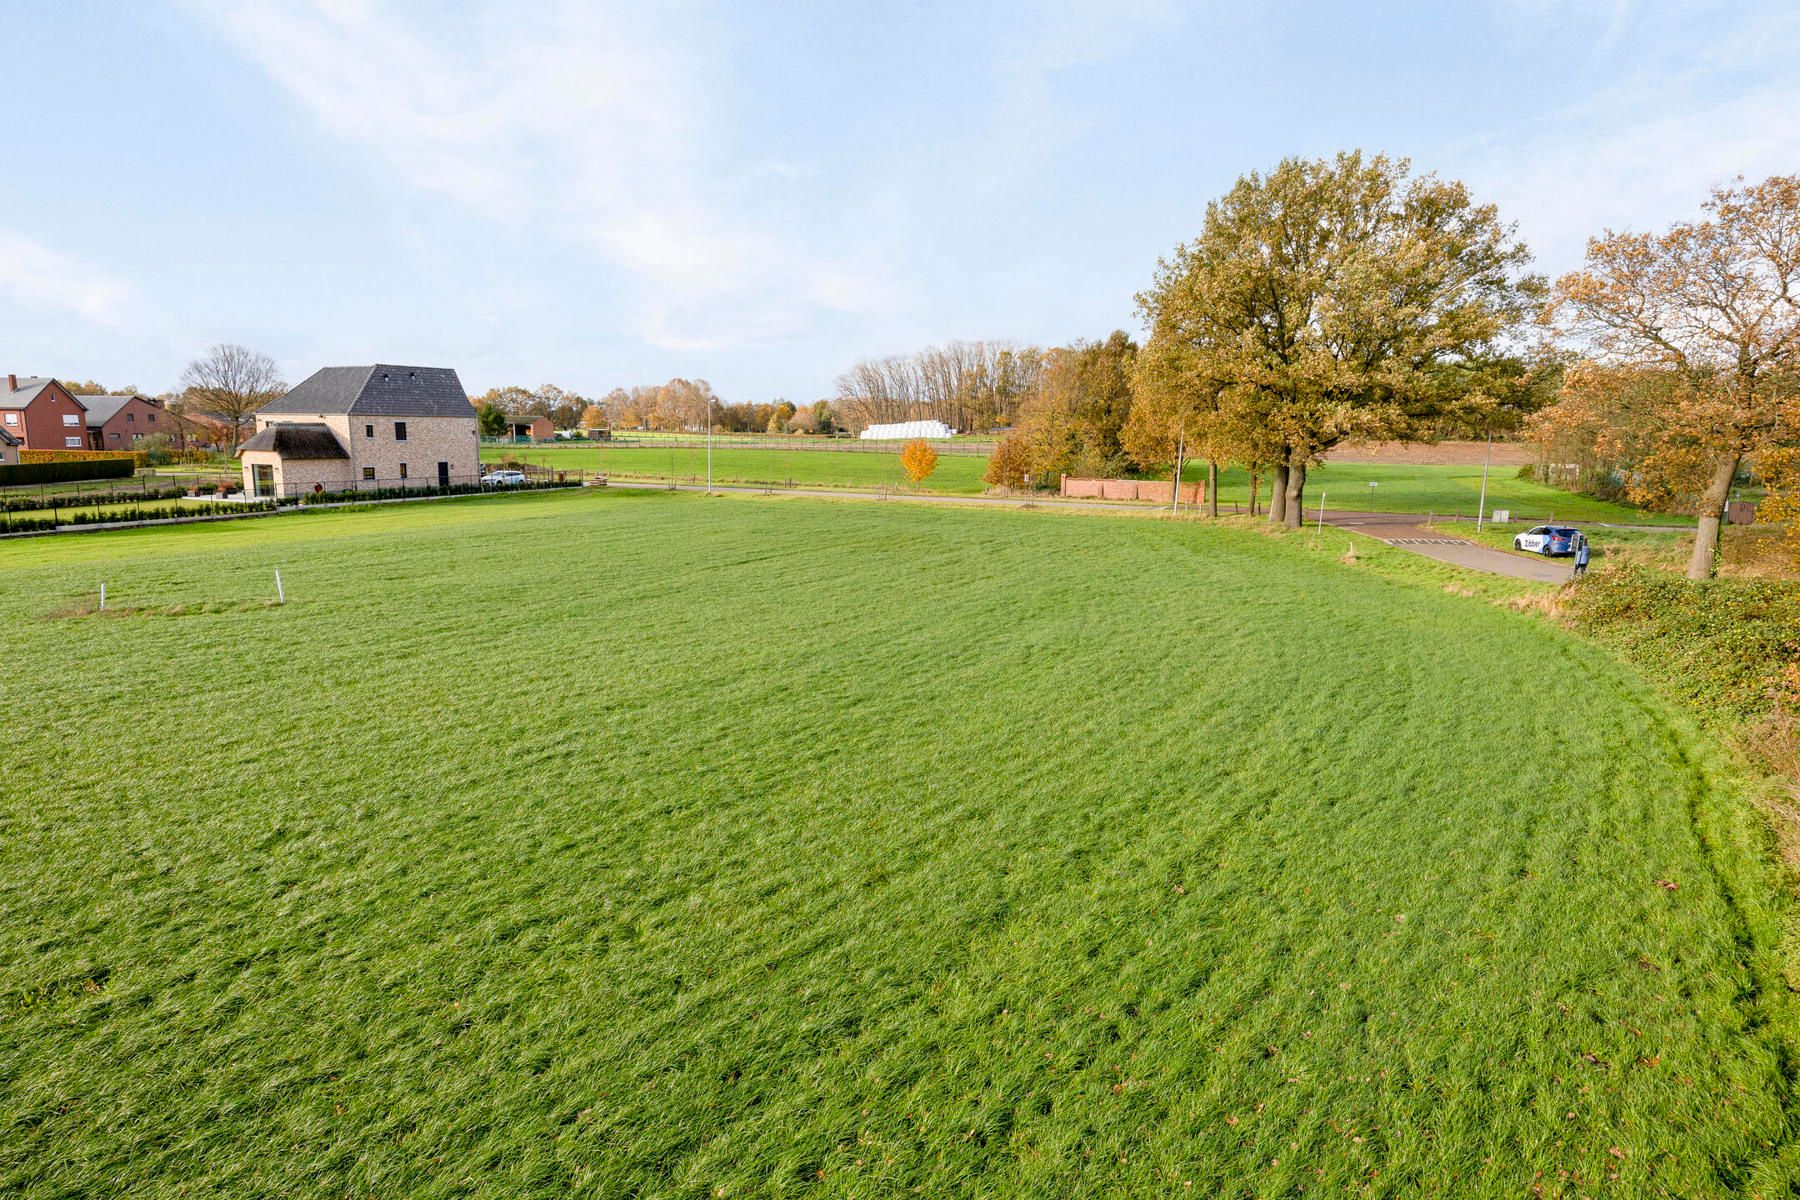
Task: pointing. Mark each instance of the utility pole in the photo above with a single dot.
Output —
(1481, 513)
(1180, 453)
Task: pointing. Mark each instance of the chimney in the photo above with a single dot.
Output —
(12, 383)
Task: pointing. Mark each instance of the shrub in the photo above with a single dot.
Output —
(919, 460)
(40, 503)
(1007, 464)
(136, 457)
(1729, 647)
(66, 470)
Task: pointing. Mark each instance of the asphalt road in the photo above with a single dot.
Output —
(1405, 530)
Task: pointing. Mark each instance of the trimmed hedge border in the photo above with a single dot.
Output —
(66, 471)
(11, 527)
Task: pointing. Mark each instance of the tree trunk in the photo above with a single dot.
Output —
(1255, 487)
(1278, 493)
(1212, 487)
(1712, 509)
(1296, 494)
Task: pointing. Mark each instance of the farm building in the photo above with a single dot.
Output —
(346, 428)
(909, 430)
(42, 414)
(115, 422)
(528, 428)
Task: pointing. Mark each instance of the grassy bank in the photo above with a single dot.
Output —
(662, 845)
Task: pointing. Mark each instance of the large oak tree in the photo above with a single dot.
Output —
(1342, 298)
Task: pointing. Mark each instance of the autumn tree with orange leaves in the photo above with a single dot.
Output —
(1694, 337)
(919, 460)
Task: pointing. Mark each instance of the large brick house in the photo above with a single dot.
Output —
(346, 428)
(115, 422)
(42, 414)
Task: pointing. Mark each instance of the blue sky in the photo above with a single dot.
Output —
(758, 195)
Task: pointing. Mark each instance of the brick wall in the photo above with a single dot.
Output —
(1156, 491)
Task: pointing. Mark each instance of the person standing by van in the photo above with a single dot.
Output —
(1581, 555)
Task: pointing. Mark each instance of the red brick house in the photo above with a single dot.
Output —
(42, 414)
(115, 422)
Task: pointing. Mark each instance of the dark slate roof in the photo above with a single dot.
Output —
(383, 390)
(298, 441)
(27, 392)
(102, 409)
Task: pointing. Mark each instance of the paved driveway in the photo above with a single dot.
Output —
(1403, 529)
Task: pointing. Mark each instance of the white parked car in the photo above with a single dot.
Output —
(1552, 541)
(503, 478)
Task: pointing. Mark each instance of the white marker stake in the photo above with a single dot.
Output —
(280, 596)
(103, 597)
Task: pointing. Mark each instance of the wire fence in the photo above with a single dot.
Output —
(61, 512)
(697, 441)
(146, 484)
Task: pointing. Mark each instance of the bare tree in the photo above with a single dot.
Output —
(968, 385)
(229, 384)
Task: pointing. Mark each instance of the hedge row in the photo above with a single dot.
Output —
(109, 516)
(19, 474)
(413, 493)
(1728, 647)
(137, 457)
(35, 503)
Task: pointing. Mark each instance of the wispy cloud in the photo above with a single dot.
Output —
(36, 274)
(598, 127)
(1703, 108)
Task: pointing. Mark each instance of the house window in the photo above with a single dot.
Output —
(71, 419)
(368, 472)
(113, 436)
(368, 431)
(150, 417)
(399, 431)
(12, 418)
(403, 470)
(72, 441)
(131, 418)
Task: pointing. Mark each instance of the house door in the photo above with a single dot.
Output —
(262, 480)
(443, 474)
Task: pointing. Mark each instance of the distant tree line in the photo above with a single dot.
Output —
(970, 386)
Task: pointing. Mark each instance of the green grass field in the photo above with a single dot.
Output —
(1398, 488)
(657, 845)
(956, 474)
(1445, 490)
